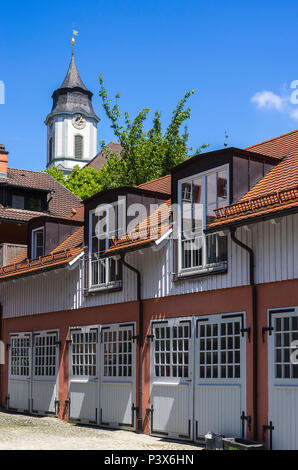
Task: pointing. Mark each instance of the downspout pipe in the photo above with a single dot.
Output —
(1, 365)
(254, 327)
(139, 299)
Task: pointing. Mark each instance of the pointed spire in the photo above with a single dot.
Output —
(73, 79)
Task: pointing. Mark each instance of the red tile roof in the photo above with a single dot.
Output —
(19, 258)
(75, 240)
(160, 185)
(78, 214)
(101, 158)
(62, 203)
(276, 192)
(147, 232)
(285, 145)
(64, 253)
(19, 215)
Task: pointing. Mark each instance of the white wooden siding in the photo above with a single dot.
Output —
(275, 246)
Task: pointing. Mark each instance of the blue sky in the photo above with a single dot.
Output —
(151, 51)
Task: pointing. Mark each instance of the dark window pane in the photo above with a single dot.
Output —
(240, 180)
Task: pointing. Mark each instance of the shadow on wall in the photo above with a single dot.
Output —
(2, 353)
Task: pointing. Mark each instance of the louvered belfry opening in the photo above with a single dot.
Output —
(78, 146)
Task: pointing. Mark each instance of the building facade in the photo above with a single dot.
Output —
(25, 195)
(175, 322)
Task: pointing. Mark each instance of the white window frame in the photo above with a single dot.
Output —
(107, 283)
(33, 242)
(279, 313)
(205, 267)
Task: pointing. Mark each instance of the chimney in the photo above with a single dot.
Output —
(3, 162)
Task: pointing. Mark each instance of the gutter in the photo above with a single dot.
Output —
(139, 298)
(254, 328)
(74, 262)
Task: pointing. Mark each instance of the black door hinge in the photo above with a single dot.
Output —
(67, 403)
(243, 419)
(269, 428)
(135, 338)
(245, 330)
(265, 329)
(150, 338)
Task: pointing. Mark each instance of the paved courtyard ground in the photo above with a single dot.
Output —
(19, 432)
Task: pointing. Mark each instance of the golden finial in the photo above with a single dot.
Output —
(74, 33)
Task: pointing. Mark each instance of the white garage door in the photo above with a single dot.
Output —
(83, 375)
(172, 378)
(220, 371)
(45, 372)
(33, 372)
(282, 426)
(118, 376)
(19, 381)
(102, 375)
(198, 376)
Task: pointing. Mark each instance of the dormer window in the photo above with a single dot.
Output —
(37, 243)
(27, 202)
(18, 202)
(105, 224)
(198, 197)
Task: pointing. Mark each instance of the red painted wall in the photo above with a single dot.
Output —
(63, 321)
(273, 295)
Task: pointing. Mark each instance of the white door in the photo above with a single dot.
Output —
(282, 426)
(83, 375)
(220, 376)
(118, 376)
(19, 379)
(172, 378)
(45, 372)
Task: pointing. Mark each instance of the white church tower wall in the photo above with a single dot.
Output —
(72, 124)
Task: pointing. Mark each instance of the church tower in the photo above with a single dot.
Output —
(72, 124)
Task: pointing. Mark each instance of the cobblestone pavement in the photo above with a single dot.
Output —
(20, 432)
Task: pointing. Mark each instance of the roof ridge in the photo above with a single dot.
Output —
(29, 171)
(273, 138)
(73, 194)
(156, 179)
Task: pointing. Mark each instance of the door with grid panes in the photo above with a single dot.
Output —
(117, 393)
(220, 375)
(172, 378)
(83, 375)
(19, 380)
(45, 366)
(282, 430)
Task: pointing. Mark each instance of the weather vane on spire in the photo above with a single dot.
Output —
(74, 33)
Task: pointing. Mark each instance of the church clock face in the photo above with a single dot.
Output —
(78, 121)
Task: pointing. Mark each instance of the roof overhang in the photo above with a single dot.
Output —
(251, 220)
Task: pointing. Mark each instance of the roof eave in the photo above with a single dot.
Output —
(251, 220)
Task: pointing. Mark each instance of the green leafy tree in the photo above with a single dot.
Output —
(145, 155)
(57, 174)
(84, 182)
